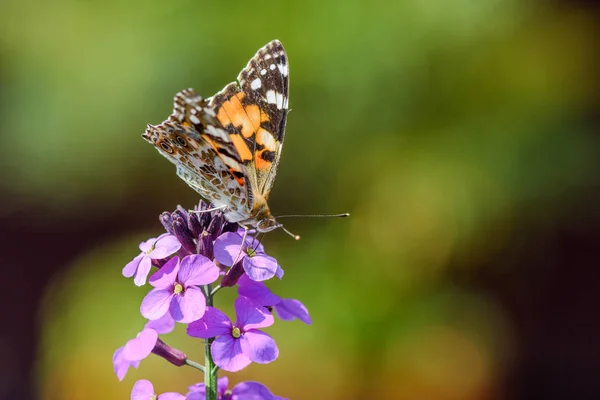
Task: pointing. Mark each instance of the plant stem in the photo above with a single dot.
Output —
(210, 372)
(194, 364)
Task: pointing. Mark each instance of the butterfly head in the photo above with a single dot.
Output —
(267, 224)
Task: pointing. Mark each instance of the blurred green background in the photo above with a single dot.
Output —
(462, 136)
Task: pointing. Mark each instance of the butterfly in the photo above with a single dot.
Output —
(227, 147)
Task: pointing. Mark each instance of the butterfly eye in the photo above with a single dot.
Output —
(181, 141)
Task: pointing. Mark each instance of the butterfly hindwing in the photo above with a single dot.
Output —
(206, 160)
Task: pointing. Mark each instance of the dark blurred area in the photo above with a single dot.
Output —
(462, 137)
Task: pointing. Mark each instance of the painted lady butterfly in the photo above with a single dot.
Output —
(227, 147)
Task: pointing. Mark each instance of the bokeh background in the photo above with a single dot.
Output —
(461, 135)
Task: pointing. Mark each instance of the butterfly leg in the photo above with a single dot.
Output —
(223, 207)
(244, 236)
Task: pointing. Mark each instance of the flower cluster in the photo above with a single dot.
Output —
(183, 266)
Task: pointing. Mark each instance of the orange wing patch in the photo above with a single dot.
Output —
(246, 120)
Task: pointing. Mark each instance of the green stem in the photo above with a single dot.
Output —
(210, 369)
(194, 364)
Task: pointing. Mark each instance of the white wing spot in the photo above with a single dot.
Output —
(276, 98)
(283, 69)
(272, 67)
(263, 71)
(267, 56)
(220, 133)
(194, 119)
(279, 100)
(271, 98)
(256, 84)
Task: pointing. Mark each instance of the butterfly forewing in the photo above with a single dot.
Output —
(254, 110)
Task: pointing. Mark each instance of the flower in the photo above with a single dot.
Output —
(121, 364)
(241, 391)
(152, 249)
(196, 231)
(239, 344)
(164, 324)
(143, 390)
(140, 347)
(259, 294)
(198, 391)
(228, 249)
(175, 291)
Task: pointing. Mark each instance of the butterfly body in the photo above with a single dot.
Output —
(227, 147)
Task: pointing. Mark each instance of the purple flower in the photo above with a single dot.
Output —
(257, 264)
(259, 294)
(141, 346)
(163, 325)
(121, 364)
(241, 391)
(152, 249)
(198, 391)
(143, 390)
(239, 344)
(175, 291)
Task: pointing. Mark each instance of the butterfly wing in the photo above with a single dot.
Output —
(205, 157)
(253, 111)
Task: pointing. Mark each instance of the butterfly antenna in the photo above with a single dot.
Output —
(296, 237)
(314, 216)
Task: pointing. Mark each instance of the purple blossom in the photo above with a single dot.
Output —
(141, 346)
(121, 364)
(151, 249)
(241, 391)
(259, 294)
(198, 391)
(239, 344)
(175, 291)
(163, 325)
(257, 264)
(143, 390)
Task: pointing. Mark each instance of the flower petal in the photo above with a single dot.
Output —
(188, 306)
(141, 346)
(279, 272)
(227, 354)
(142, 390)
(146, 246)
(132, 266)
(121, 364)
(252, 391)
(156, 303)
(167, 275)
(164, 247)
(164, 324)
(257, 292)
(213, 323)
(197, 270)
(250, 316)
(228, 248)
(260, 347)
(260, 267)
(171, 396)
(142, 271)
(290, 309)
(200, 388)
